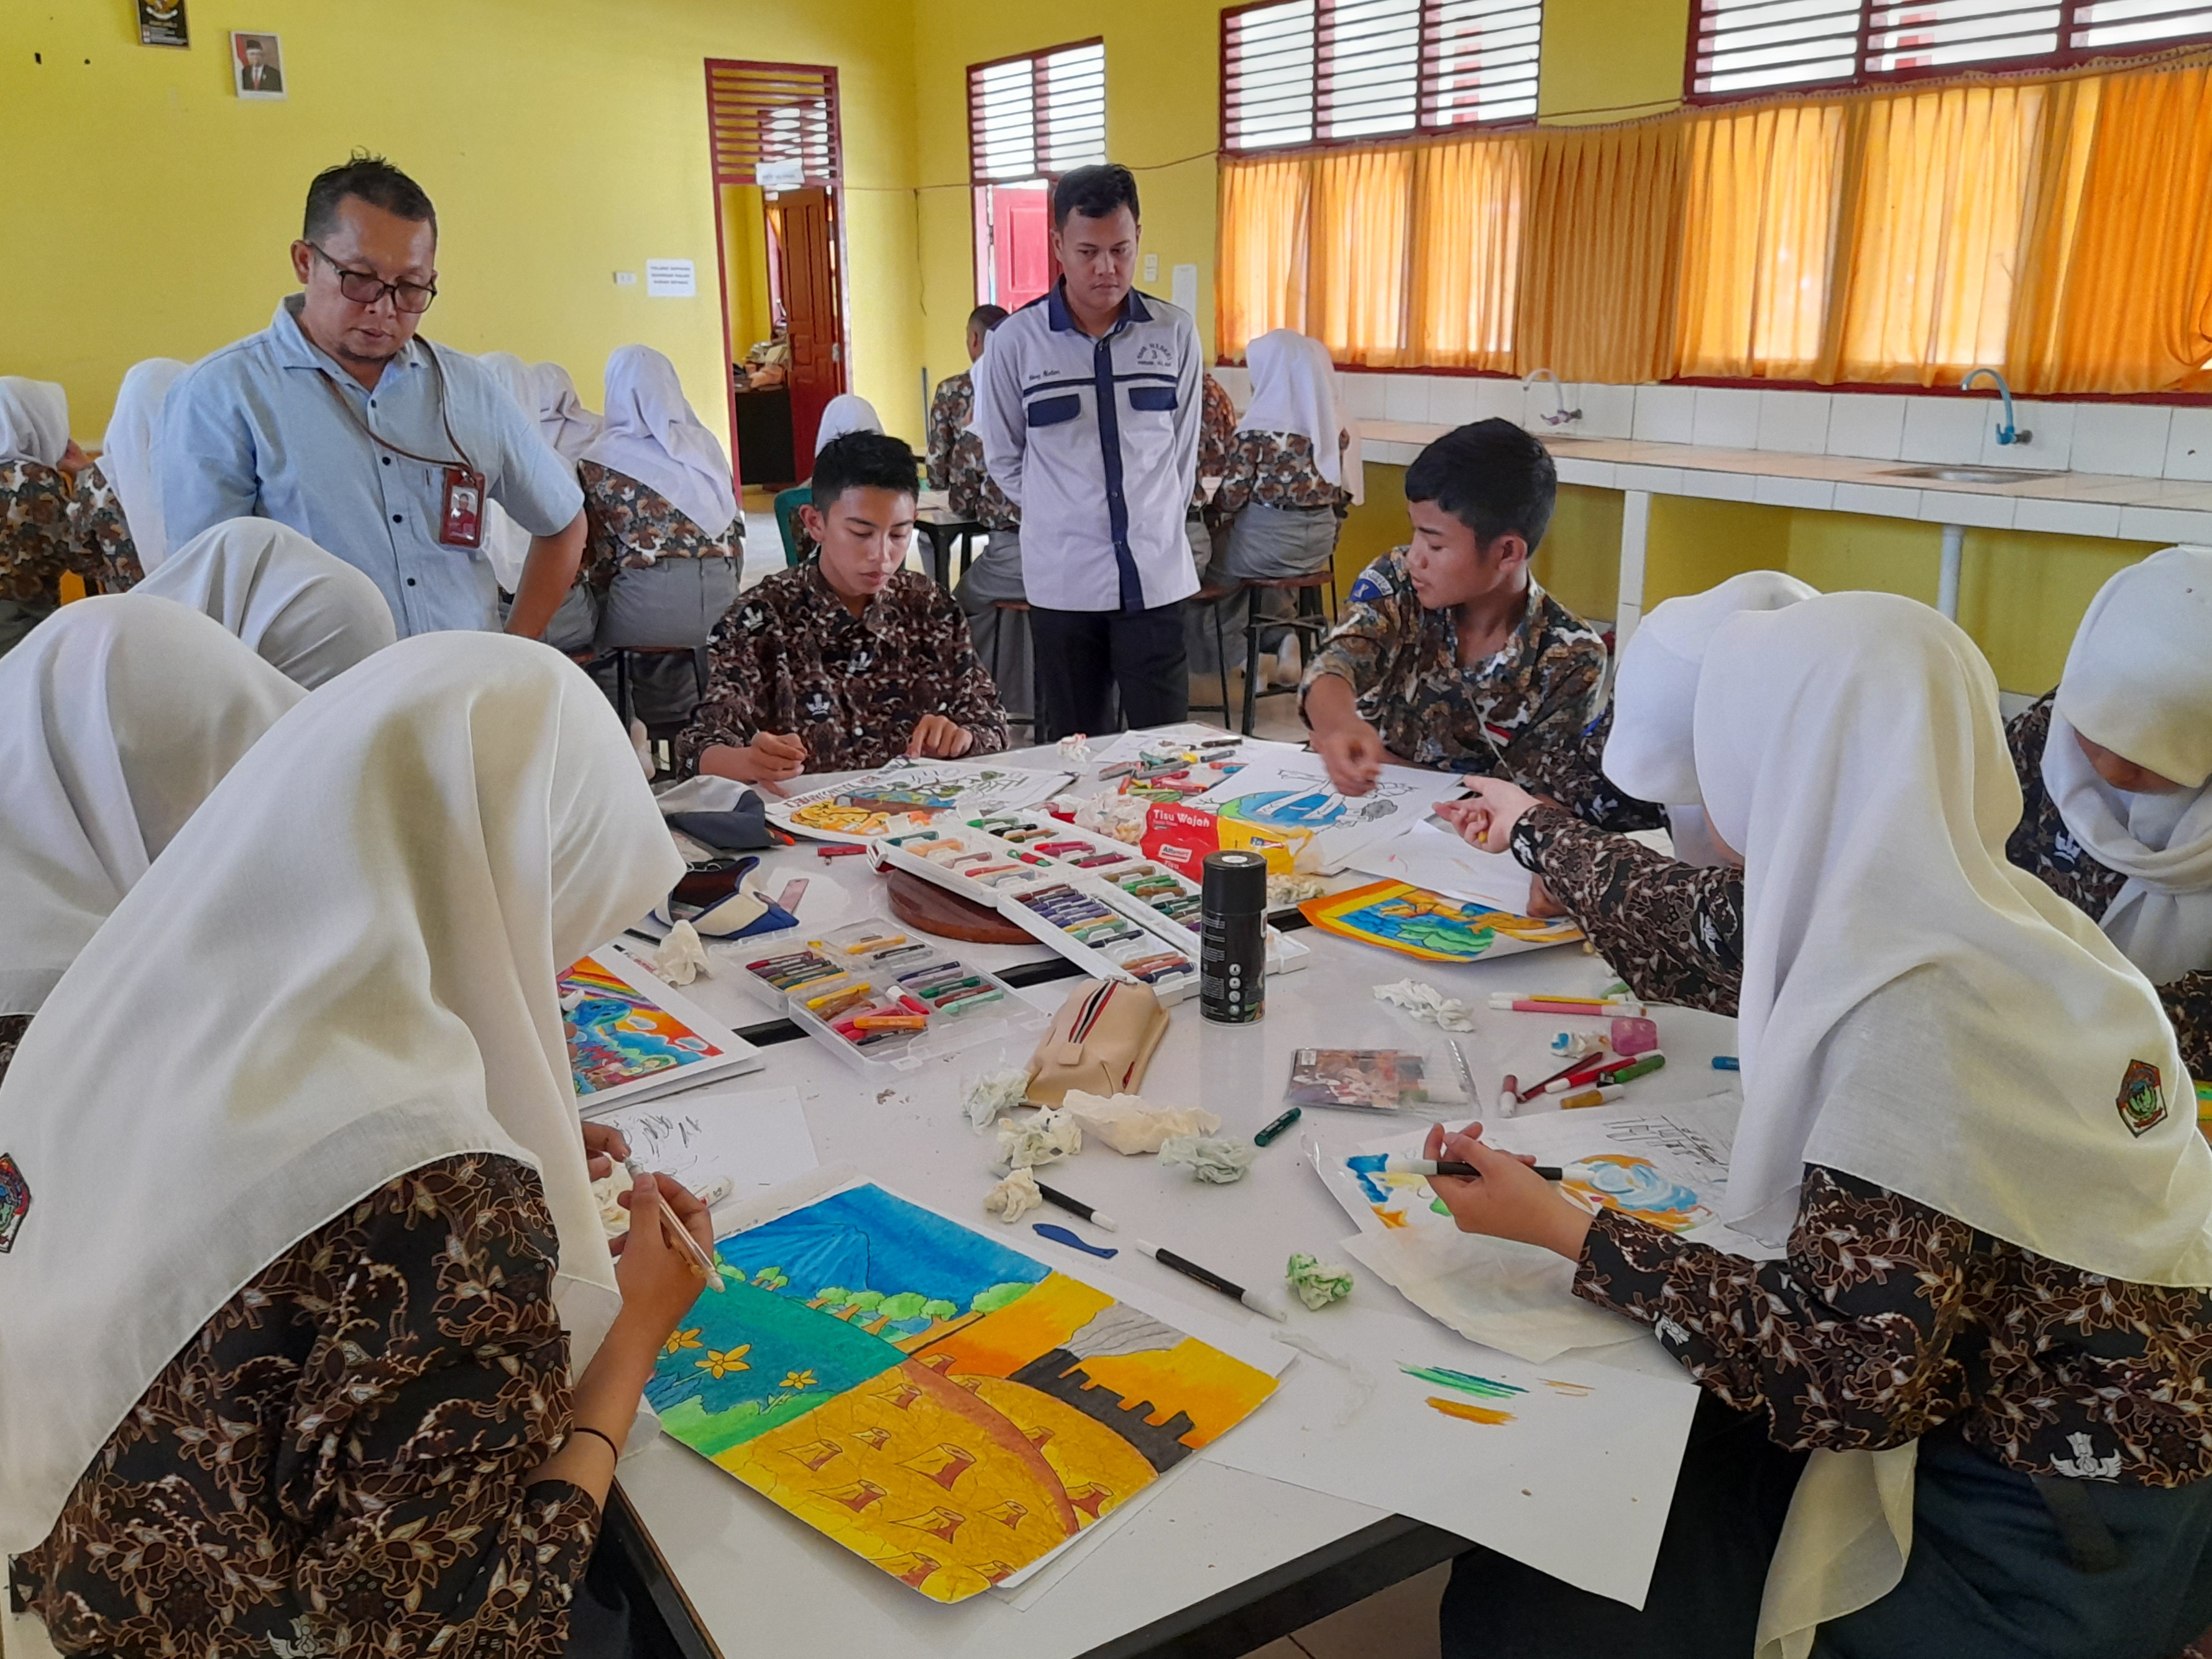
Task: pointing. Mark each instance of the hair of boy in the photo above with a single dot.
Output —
(987, 317)
(1493, 477)
(863, 460)
(1094, 192)
(375, 181)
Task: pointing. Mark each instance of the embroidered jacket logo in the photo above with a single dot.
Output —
(2141, 1101)
(1155, 354)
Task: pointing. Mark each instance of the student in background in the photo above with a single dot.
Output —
(507, 543)
(331, 1405)
(956, 466)
(308, 616)
(1282, 498)
(1449, 654)
(665, 543)
(1966, 1123)
(1216, 439)
(562, 420)
(1088, 404)
(849, 660)
(115, 506)
(843, 414)
(118, 715)
(37, 543)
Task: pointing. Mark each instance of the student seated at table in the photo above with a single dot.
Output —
(311, 1250)
(118, 715)
(115, 505)
(1449, 654)
(2127, 842)
(845, 414)
(1967, 1126)
(306, 613)
(849, 660)
(38, 545)
(1281, 498)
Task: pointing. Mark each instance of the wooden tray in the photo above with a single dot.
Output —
(930, 909)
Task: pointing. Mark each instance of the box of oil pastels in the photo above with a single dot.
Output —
(1097, 902)
(884, 999)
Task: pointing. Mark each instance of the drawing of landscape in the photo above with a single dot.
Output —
(947, 1408)
(618, 1034)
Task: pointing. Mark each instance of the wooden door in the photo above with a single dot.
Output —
(808, 222)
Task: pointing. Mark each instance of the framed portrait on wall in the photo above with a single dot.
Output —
(162, 23)
(256, 62)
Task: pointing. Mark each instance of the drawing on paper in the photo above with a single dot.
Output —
(902, 796)
(943, 1407)
(1467, 1413)
(1482, 1387)
(1428, 925)
(1397, 1199)
(618, 1034)
(1637, 1187)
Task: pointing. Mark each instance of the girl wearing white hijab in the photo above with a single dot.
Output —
(308, 614)
(319, 1048)
(845, 414)
(117, 506)
(1965, 1120)
(652, 437)
(1282, 496)
(2114, 765)
(118, 715)
(38, 543)
(567, 425)
(507, 543)
(1670, 927)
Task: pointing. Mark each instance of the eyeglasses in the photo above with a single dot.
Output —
(365, 288)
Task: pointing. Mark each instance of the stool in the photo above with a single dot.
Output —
(1216, 597)
(621, 654)
(1310, 623)
(1036, 685)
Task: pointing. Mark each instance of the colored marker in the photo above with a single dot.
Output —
(1531, 1002)
(1727, 1063)
(1641, 1066)
(676, 1232)
(1276, 1127)
(1213, 1281)
(1453, 1168)
(1592, 1097)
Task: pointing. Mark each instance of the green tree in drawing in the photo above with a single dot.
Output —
(832, 1297)
(905, 1305)
(941, 1309)
(998, 1296)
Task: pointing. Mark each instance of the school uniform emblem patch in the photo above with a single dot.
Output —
(2141, 1101)
(14, 1201)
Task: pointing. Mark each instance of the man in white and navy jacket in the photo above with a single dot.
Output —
(1088, 402)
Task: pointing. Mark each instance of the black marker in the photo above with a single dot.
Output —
(1097, 1218)
(1213, 1281)
(1430, 1166)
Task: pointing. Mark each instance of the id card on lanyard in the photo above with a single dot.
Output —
(460, 516)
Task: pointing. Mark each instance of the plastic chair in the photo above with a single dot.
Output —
(1310, 623)
(787, 503)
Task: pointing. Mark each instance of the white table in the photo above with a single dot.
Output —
(1243, 1558)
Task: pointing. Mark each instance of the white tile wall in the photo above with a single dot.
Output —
(1608, 411)
(2188, 444)
(2067, 518)
(1665, 414)
(2050, 429)
(1794, 492)
(2129, 439)
(1795, 422)
(1869, 424)
(1406, 397)
(1982, 512)
(1453, 399)
(1365, 394)
(1943, 430)
(1879, 501)
(1499, 400)
(1726, 418)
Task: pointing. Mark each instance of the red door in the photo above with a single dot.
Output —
(810, 298)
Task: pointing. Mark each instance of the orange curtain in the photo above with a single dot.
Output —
(1260, 274)
(1466, 260)
(1599, 253)
(1356, 261)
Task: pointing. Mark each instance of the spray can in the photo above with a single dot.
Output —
(1232, 957)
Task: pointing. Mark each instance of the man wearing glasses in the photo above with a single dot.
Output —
(378, 446)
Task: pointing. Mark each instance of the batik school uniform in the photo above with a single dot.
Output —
(96, 523)
(1001, 638)
(789, 658)
(1500, 717)
(38, 546)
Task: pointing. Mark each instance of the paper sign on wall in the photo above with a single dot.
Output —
(788, 174)
(1183, 287)
(670, 279)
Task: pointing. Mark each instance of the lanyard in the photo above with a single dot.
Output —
(438, 371)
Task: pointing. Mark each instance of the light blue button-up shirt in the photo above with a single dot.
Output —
(254, 431)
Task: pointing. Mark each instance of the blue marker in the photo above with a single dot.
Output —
(1727, 1063)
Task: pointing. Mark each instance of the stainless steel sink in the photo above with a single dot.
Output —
(1980, 475)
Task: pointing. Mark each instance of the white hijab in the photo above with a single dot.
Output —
(567, 425)
(1916, 1011)
(842, 416)
(34, 421)
(2139, 683)
(308, 614)
(1294, 389)
(118, 714)
(343, 971)
(651, 434)
(507, 543)
(1655, 691)
(126, 455)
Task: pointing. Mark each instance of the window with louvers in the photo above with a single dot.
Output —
(1295, 73)
(772, 113)
(1038, 115)
(1748, 46)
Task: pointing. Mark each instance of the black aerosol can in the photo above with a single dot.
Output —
(1232, 959)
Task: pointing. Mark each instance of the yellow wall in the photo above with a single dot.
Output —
(745, 266)
(149, 210)
(1610, 60)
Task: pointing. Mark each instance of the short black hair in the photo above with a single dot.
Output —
(373, 179)
(1491, 476)
(1094, 192)
(987, 318)
(864, 460)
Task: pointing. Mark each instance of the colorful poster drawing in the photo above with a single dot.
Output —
(1429, 927)
(908, 796)
(945, 1407)
(616, 1035)
(1635, 1186)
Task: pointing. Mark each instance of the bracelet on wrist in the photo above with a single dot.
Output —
(575, 1429)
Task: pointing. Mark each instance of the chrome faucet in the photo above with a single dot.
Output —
(1560, 414)
(2008, 434)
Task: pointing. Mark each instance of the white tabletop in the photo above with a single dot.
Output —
(761, 1581)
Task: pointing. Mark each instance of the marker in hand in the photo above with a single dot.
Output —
(673, 1229)
(1433, 1166)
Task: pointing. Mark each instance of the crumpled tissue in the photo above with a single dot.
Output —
(995, 1093)
(681, 957)
(1426, 1002)
(1047, 1138)
(1014, 1197)
(1318, 1283)
(1219, 1161)
(1131, 1125)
